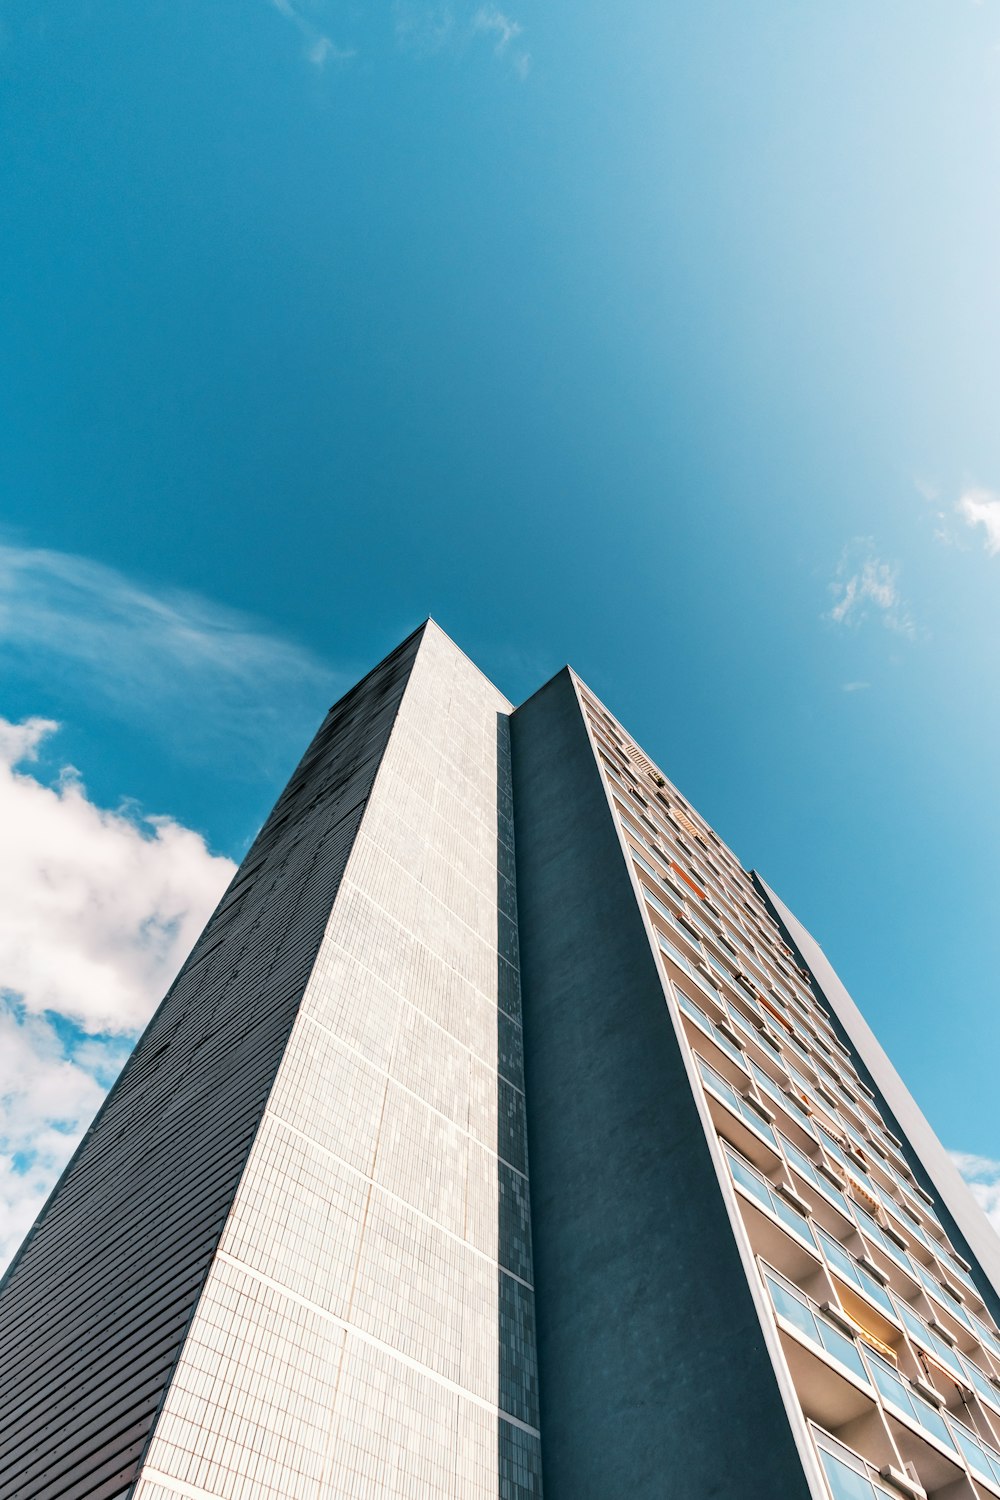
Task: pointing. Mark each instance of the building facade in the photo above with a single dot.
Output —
(500, 1122)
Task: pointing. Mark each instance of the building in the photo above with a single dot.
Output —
(297, 1256)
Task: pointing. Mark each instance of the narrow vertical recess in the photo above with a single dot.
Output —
(94, 1309)
(642, 1296)
(519, 1469)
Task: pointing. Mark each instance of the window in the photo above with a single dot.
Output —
(874, 1232)
(896, 1393)
(707, 1025)
(739, 1106)
(834, 1150)
(759, 1040)
(848, 1270)
(928, 1339)
(796, 1309)
(986, 1390)
(677, 957)
(758, 1187)
(777, 1093)
(981, 1458)
(848, 1476)
(807, 1169)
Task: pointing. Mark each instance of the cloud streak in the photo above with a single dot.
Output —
(319, 48)
(867, 587)
(171, 657)
(504, 30)
(982, 1174)
(425, 29)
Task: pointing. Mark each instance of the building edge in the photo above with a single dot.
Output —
(928, 1159)
(640, 1285)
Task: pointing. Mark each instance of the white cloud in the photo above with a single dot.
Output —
(865, 584)
(198, 670)
(504, 30)
(99, 907)
(982, 1174)
(49, 1093)
(493, 21)
(319, 49)
(981, 507)
(854, 687)
(425, 29)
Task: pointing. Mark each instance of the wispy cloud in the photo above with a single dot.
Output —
(170, 657)
(854, 687)
(100, 907)
(425, 29)
(867, 587)
(981, 507)
(982, 1174)
(319, 48)
(504, 31)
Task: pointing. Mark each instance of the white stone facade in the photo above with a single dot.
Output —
(357, 1335)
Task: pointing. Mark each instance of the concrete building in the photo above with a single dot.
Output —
(299, 1254)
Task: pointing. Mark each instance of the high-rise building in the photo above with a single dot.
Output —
(299, 1254)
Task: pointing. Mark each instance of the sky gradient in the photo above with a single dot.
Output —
(663, 342)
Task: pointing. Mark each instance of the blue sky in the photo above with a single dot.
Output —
(663, 341)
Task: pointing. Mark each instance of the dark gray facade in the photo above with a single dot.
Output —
(642, 1296)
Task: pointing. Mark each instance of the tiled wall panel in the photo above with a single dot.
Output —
(95, 1308)
(391, 1163)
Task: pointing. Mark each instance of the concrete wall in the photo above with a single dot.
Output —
(367, 1328)
(655, 1379)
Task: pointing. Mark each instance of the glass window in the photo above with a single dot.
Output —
(725, 1091)
(748, 1178)
(891, 1386)
(979, 1382)
(897, 1394)
(932, 1421)
(739, 1019)
(802, 1164)
(946, 1354)
(981, 1457)
(847, 1483)
(791, 1217)
(875, 1290)
(913, 1325)
(973, 1452)
(848, 1269)
(793, 1310)
(838, 1154)
(985, 1336)
(873, 1232)
(842, 1348)
(644, 864)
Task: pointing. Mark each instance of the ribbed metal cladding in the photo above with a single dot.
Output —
(94, 1309)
